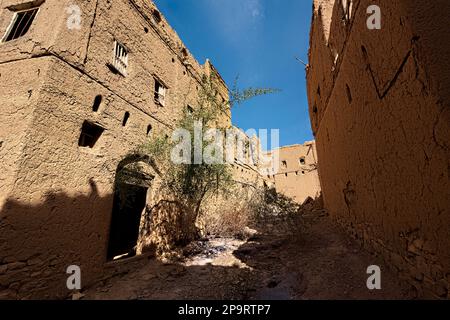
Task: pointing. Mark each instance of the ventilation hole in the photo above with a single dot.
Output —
(315, 109)
(173, 60)
(156, 16)
(145, 29)
(349, 94)
(90, 133)
(364, 51)
(125, 119)
(149, 129)
(318, 91)
(97, 103)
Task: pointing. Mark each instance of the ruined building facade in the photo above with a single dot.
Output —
(295, 174)
(78, 94)
(379, 106)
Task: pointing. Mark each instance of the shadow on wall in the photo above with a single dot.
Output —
(39, 242)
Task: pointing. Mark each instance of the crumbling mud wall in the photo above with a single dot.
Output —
(379, 107)
(56, 197)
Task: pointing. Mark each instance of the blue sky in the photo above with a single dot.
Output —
(257, 40)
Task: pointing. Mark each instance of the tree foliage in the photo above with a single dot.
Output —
(192, 183)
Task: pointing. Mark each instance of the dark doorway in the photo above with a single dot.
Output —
(129, 203)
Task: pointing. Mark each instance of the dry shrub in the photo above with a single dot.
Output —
(231, 222)
(230, 214)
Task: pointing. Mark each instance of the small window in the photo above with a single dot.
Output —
(125, 119)
(302, 161)
(160, 93)
(149, 129)
(156, 17)
(120, 60)
(20, 24)
(90, 133)
(284, 164)
(286, 174)
(97, 103)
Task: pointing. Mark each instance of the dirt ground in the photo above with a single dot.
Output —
(320, 262)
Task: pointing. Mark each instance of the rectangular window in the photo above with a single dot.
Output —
(284, 164)
(120, 60)
(20, 24)
(90, 133)
(160, 93)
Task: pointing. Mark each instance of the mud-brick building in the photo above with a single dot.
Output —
(295, 174)
(379, 106)
(82, 84)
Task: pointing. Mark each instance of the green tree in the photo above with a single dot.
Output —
(192, 183)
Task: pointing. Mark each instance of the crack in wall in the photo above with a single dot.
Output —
(90, 32)
(79, 69)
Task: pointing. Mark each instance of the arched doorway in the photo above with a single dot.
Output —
(134, 177)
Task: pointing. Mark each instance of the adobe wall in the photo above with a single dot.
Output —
(295, 179)
(56, 196)
(379, 107)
